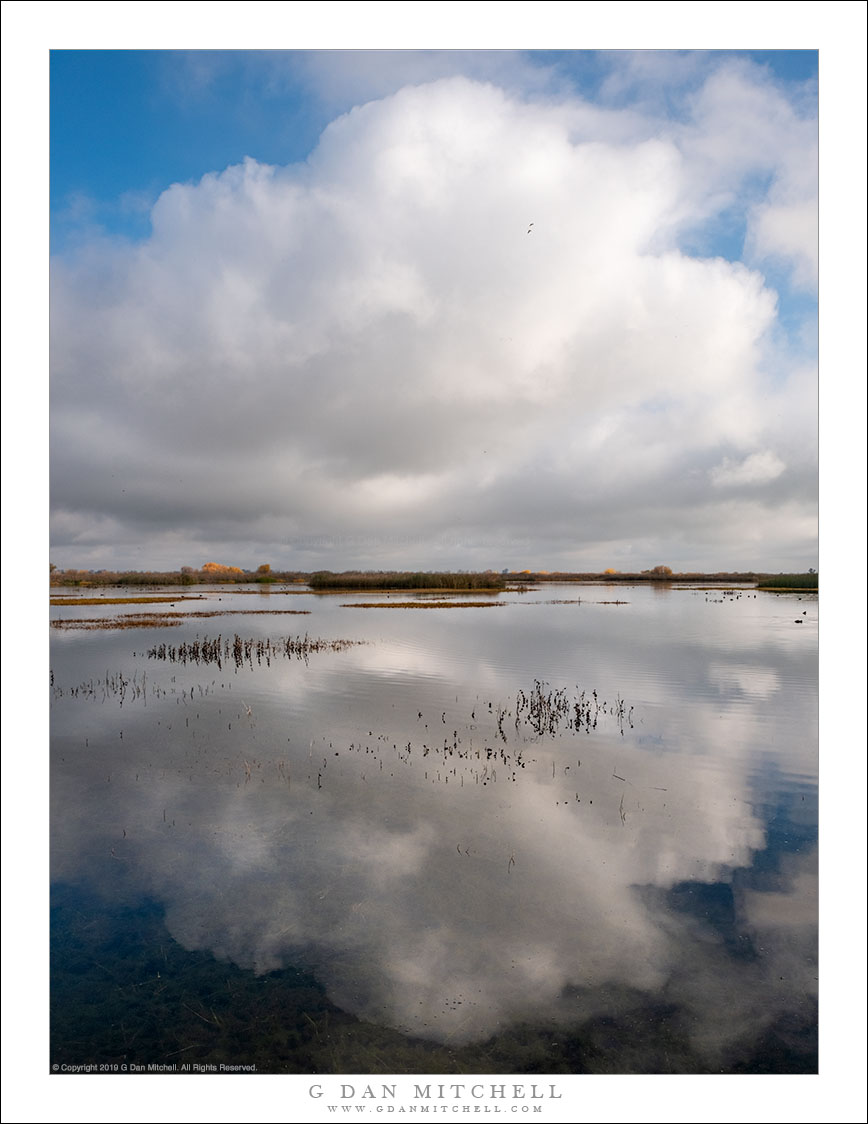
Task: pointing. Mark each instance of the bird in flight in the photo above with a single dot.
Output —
(528, 229)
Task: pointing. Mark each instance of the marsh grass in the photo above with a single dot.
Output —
(260, 593)
(220, 650)
(418, 581)
(66, 600)
(168, 620)
(198, 613)
(421, 604)
(134, 620)
(797, 582)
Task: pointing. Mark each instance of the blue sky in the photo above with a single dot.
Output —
(124, 124)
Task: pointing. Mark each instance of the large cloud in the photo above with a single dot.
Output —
(377, 347)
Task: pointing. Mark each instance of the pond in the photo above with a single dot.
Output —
(566, 830)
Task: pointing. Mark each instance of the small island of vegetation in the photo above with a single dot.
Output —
(393, 579)
(790, 582)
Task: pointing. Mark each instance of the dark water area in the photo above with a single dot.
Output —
(565, 835)
(155, 1000)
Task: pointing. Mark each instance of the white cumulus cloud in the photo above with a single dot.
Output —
(378, 343)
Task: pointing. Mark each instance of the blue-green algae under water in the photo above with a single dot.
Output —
(576, 833)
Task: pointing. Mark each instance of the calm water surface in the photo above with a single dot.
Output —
(548, 835)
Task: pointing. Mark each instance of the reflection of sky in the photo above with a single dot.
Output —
(430, 895)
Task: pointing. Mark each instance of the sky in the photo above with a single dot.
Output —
(434, 309)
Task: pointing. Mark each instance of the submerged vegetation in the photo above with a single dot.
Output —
(544, 709)
(220, 650)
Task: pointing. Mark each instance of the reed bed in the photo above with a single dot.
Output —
(114, 684)
(168, 620)
(393, 579)
(421, 604)
(219, 650)
(790, 581)
(133, 620)
(545, 710)
(198, 613)
(501, 755)
(66, 600)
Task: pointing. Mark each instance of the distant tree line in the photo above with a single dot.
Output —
(213, 572)
(395, 579)
(657, 574)
(666, 574)
(210, 573)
